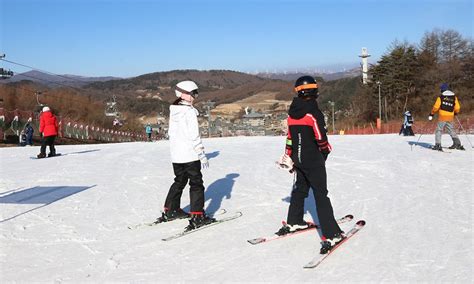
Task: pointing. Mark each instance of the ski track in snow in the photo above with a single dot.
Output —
(65, 219)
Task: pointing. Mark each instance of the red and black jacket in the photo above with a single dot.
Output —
(307, 142)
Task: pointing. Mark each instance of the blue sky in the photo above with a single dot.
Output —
(132, 37)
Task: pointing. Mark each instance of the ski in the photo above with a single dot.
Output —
(318, 259)
(218, 221)
(57, 155)
(312, 226)
(159, 220)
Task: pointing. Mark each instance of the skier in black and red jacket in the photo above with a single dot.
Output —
(307, 149)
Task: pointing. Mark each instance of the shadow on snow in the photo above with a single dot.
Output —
(309, 207)
(421, 144)
(43, 195)
(217, 191)
(212, 155)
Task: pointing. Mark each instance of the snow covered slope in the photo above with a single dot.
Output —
(65, 218)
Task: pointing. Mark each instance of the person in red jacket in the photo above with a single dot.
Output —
(49, 130)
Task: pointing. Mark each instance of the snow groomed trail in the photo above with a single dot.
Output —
(66, 218)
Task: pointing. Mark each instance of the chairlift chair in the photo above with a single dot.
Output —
(5, 74)
(111, 108)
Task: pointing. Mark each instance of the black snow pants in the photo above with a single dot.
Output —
(314, 177)
(48, 141)
(185, 172)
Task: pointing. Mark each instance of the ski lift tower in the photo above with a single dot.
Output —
(365, 67)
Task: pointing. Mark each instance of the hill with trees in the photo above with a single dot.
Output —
(409, 75)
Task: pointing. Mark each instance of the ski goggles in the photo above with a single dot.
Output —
(193, 93)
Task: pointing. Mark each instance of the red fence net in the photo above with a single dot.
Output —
(462, 125)
(13, 122)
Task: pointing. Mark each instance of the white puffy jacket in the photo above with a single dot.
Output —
(185, 140)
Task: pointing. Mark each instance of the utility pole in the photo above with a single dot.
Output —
(379, 120)
(333, 125)
(380, 101)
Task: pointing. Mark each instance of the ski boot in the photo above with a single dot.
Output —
(52, 154)
(328, 244)
(457, 145)
(287, 228)
(41, 155)
(437, 147)
(171, 215)
(199, 220)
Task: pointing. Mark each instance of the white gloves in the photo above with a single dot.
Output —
(285, 163)
(203, 159)
(430, 118)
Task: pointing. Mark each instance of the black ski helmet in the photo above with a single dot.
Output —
(306, 86)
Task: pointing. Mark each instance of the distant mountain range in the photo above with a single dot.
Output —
(354, 72)
(148, 93)
(54, 81)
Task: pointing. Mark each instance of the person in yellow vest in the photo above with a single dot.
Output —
(447, 106)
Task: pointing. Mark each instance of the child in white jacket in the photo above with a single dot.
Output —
(187, 156)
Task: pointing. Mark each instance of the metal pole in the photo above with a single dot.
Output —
(465, 132)
(333, 128)
(380, 102)
(209, 120)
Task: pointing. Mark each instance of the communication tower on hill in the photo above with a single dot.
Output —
(365, 67)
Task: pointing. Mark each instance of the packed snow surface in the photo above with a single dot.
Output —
(65, 218)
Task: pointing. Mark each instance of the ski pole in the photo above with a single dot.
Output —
(416, 143)
(465, 132)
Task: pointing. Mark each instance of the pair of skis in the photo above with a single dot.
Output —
(317, 260)
(185, 232)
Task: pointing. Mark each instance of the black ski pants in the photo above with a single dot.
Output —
(315, 178)
(185, 172)
(48, 141)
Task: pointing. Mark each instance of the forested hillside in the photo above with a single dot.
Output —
(409, 76)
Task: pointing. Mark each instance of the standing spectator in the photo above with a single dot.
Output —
(29, 133)
(406, 126)
(48, 130)
(22, 138)
(448, 106)
(148, 131)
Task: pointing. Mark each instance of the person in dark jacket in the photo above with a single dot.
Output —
(407, 124)
(29, 133)
(49, 130)
(307, 149)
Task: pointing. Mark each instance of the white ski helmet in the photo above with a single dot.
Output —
(45, 109)
(186, 87)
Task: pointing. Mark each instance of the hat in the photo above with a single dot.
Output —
(45, 109)
(444, 87)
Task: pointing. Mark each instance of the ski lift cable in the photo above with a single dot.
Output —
(43, 71)
(44, 80)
